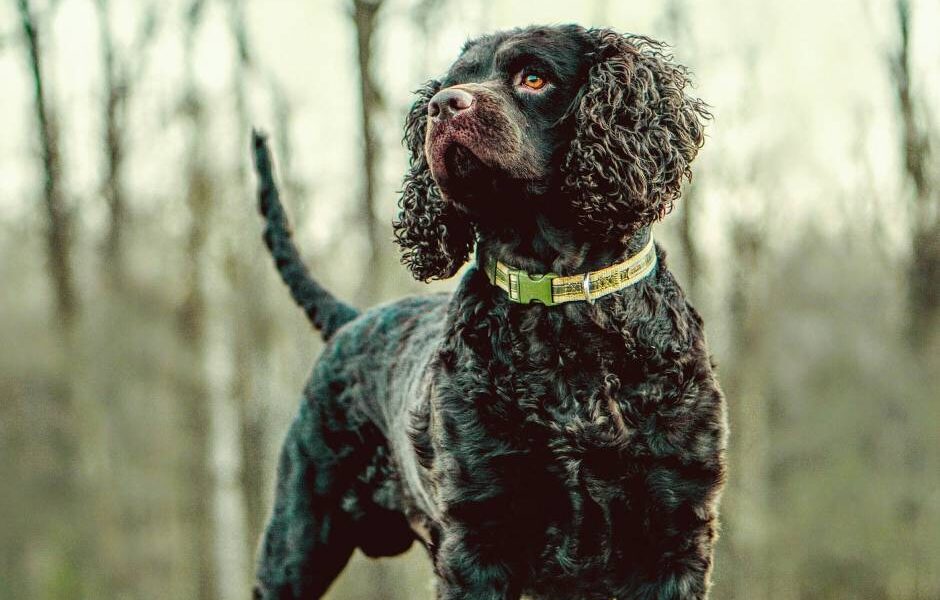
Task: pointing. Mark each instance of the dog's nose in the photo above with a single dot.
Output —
(447, 103)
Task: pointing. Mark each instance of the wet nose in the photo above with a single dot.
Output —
(447, 103)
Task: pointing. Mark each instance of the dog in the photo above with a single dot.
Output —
(553, 428)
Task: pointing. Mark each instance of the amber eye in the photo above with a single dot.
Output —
(533, 81)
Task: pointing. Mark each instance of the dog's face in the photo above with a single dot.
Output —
(589, 125)
(498, 120)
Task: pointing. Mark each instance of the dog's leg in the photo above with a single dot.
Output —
(310, 537)
(683, 577)
(482, 553)
(465, 573)
(682, 533)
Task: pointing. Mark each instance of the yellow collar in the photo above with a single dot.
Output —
(551, 289)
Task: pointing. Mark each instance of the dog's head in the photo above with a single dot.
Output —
(590, 126)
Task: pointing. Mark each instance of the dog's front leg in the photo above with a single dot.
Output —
(469, 567)
(681, 530)
(483, 540)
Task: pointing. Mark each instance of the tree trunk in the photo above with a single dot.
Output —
(924, 268)
(693, 263)
(197, 477)
(924, 277)
(69, 570)
(253, 346)
(365, 16)
(59, 222)
(747, 507)
(923, 271)
(115, 95)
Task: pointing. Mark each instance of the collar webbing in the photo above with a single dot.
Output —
(551, 289)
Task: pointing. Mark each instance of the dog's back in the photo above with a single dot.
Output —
(381, 366)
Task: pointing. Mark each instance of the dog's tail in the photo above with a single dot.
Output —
(324, 310)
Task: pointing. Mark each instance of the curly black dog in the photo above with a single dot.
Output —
(553, 428)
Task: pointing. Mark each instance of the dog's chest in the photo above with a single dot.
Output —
(569, 384)
(559, 420)
(561, 398)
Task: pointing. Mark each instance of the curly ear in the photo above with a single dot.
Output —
(435, 239)
(636, 134)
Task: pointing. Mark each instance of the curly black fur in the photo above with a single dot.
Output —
(637, 134)
(435, 238)
(569, 452)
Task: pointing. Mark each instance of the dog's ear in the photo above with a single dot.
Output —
(434, 238)
(636, 134)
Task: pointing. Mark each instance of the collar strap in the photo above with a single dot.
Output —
(551, 289)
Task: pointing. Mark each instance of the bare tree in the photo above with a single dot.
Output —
(112, 187)
(923, 277)
(252, 344)
(66, 436)
(746, 506)
(365, 18)
(59, 219)
(687, 237)
(120, 566)
(916, 137)
(195, 395)
(117, 89)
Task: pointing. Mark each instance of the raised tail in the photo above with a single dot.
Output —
(324, 310)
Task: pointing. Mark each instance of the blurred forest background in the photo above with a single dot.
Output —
(150, 360)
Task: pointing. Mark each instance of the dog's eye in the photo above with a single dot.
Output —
(533, 81)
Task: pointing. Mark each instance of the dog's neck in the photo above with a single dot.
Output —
(542, 247)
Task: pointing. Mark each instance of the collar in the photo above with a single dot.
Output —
(551, 289)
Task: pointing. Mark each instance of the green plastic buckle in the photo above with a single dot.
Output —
(534, 288)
